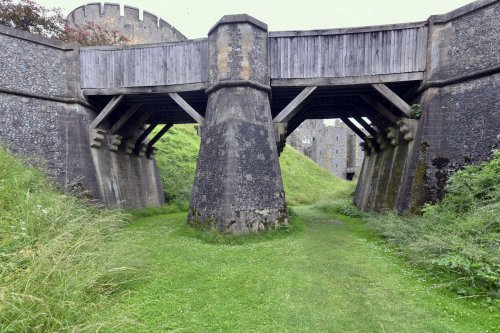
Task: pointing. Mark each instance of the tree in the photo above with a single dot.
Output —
(92, 34)
(29, 16)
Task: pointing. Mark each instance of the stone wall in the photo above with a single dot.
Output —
(334, 146)
(150, 29)
(46, 120)
(460, 123)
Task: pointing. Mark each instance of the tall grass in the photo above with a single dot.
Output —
(459, 237)
(53, 273)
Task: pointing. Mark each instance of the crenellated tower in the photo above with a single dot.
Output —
(150, 29)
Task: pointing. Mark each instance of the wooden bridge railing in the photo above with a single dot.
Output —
(394, 49)
(397, 51)
(144, 65)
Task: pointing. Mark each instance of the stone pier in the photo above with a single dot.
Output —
(238, 186)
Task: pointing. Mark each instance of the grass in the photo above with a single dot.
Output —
(459, 237)
(66, 266)
(52, 271)
(304, 181)
(325, 274)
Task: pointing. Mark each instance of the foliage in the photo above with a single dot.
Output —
(416, 111)
(458, 237)
(29, 16)
(92, 34)
(53, 271)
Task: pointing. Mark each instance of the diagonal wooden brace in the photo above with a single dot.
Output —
(294, 106)
(392, 97)
(186, 107)
(115, 101)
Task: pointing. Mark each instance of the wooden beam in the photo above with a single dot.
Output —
(159, 135)
(106, 111)
(353, 127)
(145, 90)
(380, 108)
(392, 97)
(135, 126)
(124, 118)
(294, 106)
(298, 120)
(366, 126)
(186, 107)
(145, 134)
(370, 114)
(343, 81)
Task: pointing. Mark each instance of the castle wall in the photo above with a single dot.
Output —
(44, 118)
(461, 118)
(461, 113)
(333, 147)
(150, 29)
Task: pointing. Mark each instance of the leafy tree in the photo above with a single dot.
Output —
(29, 16)
(93, 34)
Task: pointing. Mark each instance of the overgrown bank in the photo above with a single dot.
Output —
(458, 238)
(53, 269)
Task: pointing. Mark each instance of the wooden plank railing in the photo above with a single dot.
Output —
(144, 65)
(348, 52)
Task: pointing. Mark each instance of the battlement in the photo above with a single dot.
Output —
(151, 29)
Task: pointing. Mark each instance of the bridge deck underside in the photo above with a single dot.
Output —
(328, 102)
(339, 102)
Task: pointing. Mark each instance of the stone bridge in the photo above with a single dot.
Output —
(423, 96)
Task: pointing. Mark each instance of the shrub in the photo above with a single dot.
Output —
(458, 237)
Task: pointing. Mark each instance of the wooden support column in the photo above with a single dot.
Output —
(115, 101)
(186, 107)
(366, 126)
(295, 105)
(382, 110)
(392, 97)
(353, 127)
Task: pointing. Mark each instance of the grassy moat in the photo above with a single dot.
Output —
(66, 266)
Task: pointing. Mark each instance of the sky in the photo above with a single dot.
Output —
(195, 17)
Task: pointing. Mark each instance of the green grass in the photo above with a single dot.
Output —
(53, 273)
(304, 181)
(458, 238)
(321, 275)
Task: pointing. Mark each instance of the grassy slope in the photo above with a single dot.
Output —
(304, 181)
(323, 276)
(52, 270)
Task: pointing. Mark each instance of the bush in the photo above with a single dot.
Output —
(458, 237)
(53, 269)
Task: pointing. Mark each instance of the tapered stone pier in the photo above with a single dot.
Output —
(238, 186)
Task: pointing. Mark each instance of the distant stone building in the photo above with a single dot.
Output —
(333, 146)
